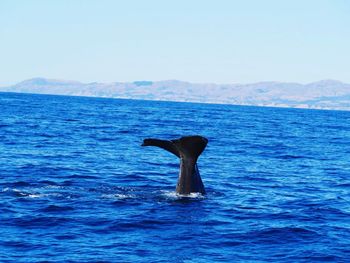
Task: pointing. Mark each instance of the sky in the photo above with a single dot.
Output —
(221, 41)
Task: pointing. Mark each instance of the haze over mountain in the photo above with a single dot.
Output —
(324, 94)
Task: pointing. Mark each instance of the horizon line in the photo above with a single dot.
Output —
(166, 80)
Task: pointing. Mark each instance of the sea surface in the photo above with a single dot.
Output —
(76, 186)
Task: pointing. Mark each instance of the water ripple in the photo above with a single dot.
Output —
(77, 187)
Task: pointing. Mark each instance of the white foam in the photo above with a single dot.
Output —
(117, 196)
(53, 187)
(34, 195)
(174, 195)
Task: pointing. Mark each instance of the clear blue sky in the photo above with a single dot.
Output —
(221, 41)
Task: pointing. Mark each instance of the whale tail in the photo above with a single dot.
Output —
(187, 147)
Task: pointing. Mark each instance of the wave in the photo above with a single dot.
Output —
(56, 209)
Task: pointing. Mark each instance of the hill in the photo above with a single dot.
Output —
(325, 94)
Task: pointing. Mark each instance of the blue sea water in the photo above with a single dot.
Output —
(75, 185)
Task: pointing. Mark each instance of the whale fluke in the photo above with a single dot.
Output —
(188, 149)
(164, 144)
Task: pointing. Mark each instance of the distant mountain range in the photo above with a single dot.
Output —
(324, 94)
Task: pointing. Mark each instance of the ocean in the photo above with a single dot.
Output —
(76, 186)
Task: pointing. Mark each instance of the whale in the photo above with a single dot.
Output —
(187, 149)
